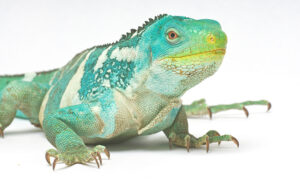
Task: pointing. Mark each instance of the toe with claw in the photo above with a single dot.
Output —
(218, 138)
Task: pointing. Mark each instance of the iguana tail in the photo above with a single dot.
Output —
(40, 77)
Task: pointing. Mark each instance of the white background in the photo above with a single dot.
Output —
(262, 62)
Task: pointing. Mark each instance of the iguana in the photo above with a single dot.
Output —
(114, 92)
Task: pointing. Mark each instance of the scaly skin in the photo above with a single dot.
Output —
(117, 91)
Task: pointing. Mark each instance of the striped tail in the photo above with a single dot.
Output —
(41, 77)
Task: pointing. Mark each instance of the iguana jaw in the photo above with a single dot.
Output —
(180, 56)
(190, 64)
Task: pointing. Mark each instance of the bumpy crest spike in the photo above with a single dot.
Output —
(141, 28)
(132, 31)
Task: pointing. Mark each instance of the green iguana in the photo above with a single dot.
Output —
(114, 92)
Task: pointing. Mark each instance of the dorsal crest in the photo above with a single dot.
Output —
(146, 24)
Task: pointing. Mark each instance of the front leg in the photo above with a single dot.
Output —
(179, 135)
(64, 130)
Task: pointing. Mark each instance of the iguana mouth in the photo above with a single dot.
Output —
(220, 51)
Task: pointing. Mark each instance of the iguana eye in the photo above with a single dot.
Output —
(172, 35)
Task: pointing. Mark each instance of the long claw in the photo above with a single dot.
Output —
(269, 106)
(209, 113)
(235, 141)
(54, 164)
(246, 111)
(170, 143)
(96, 161)
(188, 143)
(207, 144)
(47, 156)
(107, 153)
(1, 133)
(100, 158)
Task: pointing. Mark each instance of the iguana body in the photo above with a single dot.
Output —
(117, 91)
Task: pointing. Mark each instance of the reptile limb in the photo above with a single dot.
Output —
(178, 134)
(61, 130)
(200, 107)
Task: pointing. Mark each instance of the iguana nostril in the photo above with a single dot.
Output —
(211, 39)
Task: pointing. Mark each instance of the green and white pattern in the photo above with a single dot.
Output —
(113, 92)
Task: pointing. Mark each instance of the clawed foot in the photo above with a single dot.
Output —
(198, 108)
(238, 106)
(189, 141)
(82, 155)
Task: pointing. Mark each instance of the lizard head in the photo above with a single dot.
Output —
(184, 52)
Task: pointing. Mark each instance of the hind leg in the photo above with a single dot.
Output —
(24, 96)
